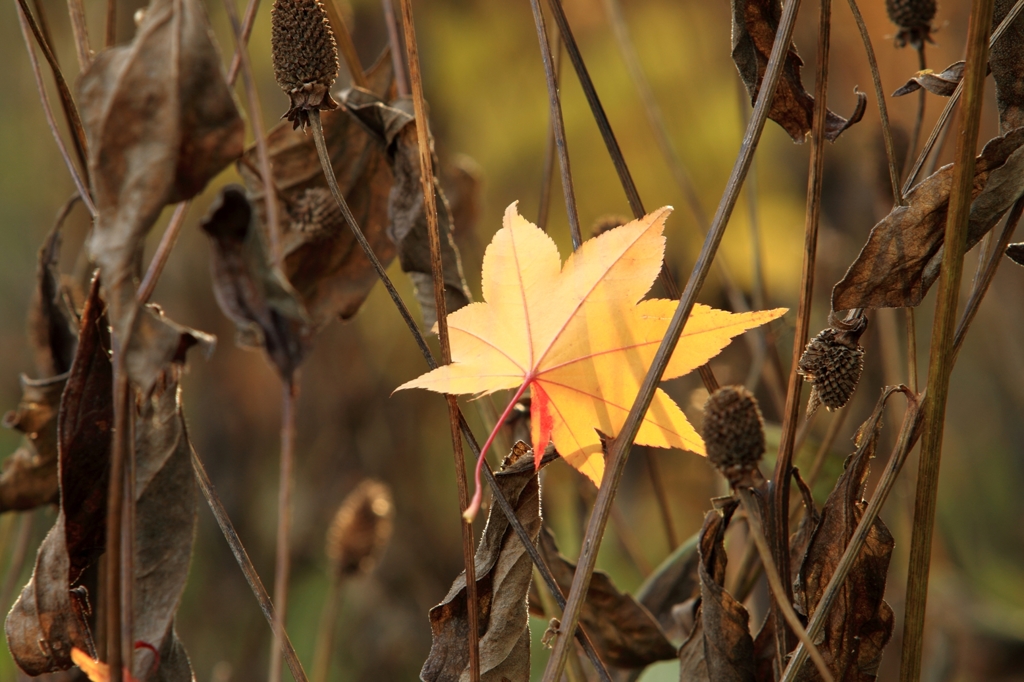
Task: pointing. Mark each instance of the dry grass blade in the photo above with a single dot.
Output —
(437, 268)
(619, 450)
(941, 356)
(248, 570)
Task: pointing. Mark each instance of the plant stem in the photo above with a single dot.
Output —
(557, 125)
(544, 202)
(395, 41)
(325, 634)
(940, 361)
(345, 44)
(619, 449)
(17, 561)
(80, 32)
(115, 512)
(282, 563)
(110, 35)
(163, 251)
(242, 39)
(662, 497)
(779, 488)
(779, 590)
(437, 270)
(922, 98)
(248, 570)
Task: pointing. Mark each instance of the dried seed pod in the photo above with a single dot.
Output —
(305, 56)
(360, 530)
(607, 222)
(914, 19)
(316, 212)
(733, 433)
(833, 362)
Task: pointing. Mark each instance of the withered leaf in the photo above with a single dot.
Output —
(623, 632)
(157, 343)
(1015, 252)
(942, 84)
(720, 647)
(860, 623)
(29, 476)
(50, 323)
(903, 253)
(161, 122)
(503, 573)
(323, 263)
(1006, 59)
(672, 583)
(754, 24)
(394, 126)
(249, 290)
(50, 615)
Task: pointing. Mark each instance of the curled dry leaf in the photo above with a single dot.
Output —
(51, 322)
(394, 126)
(50, 615)
(942, 84)
(29, 476)
(322, 261)
(1006, 59)
(860, 623)
(903, 253)
(623, 632)
(157, 343)
(754, 24)
(503, 573)
(249, 290)
(161, 122)
(1015, 252)
(720, 647)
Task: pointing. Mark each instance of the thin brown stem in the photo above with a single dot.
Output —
(345, 45)
(248, 21)
(17, 560)
(163, 251)
(80, 32)
(940, 361)
(115, 512)
(883, 111)
(325, 633)
(619, 448)
(908, 314)
(781, 478)
(248, 570)
(110, 35)
(397, 51)
(557, 124)
(778, 590)
(81, 184)
(662, 497)
(548, 174)
(922, 99)
(282, 563)
(437, 270)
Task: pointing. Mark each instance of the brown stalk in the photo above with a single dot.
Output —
(619, 448)
(282, 561)
(81, 183)
(248, 570)
(922, 99)
(904, 444)
(779, 488)
(395, 41)
(883, 111)
(248, 20)
(163, 251)
(110, 35)
(17, 560)
(437, 270)
(80, 31)
(345, 45)
(557, 124)
(661, 495)
(544, 203)
(325, 633)
(940, 361)
(115, 512)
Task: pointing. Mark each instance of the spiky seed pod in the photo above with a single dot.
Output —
(360, 530)
(316, 212)
(914, 19)
(305, 56)
(607, 222)
(733, 433)
(833, 362)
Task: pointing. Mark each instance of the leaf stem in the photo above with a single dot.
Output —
(940, 362)
(474, 504)
(619, 450)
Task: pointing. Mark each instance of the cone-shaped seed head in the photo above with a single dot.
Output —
(833, 362)
(305, 56)
(316, 212)
(914, 19)
(360, 530)
(733, 433)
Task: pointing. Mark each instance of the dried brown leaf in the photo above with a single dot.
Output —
(623, 632)
(1015, 252)
(720, 647)
(860, 623)
(323, 263)
(903, 253)
(754, 24)
(29, 476)
(51, 323)
(157, 343)
(503, 573)
(1006, 59)
(672, 583)
(942, 84)
(250, 292)
(393, 124)
(161, 122)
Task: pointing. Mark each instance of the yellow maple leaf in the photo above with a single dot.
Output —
(579, 336)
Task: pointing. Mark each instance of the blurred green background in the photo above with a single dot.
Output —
(485, 85)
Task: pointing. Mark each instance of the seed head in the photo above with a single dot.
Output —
(316, 212)
(733, 433)
(360, 530)
(833, 362)
(914, 19)
(305, 56)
